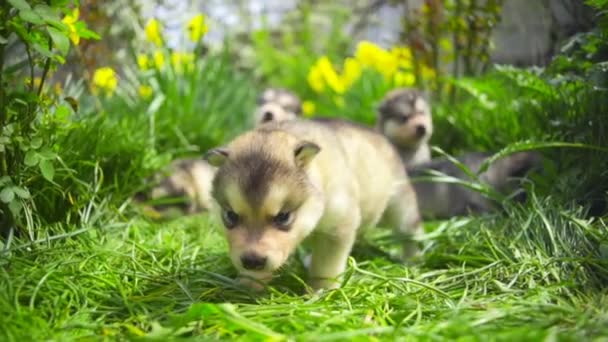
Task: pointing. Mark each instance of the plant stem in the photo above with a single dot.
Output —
(45, 71)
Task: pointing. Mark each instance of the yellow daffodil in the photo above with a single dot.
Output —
(143, 61)
(315, 79)
(308, 107)
(145, 91)
(404, 56)
(70, 20)
(159, 59)
(351, 72)
(404, 79)
(373, 56)
(153, 32)
(105, 79)
(182, 60)
(197, 28)
(37, 81)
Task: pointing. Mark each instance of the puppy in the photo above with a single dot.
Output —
(404, 117)
(277, 104)
(183, 188)
(321, 180)
(440, 200)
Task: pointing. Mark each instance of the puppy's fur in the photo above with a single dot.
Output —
(320, 180)
(185, 185)
(277, 104)
(181, 188)
(440, 200)
(404, 117)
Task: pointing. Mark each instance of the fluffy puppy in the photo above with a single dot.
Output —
(321, 180)
(277, 104)
(182, 188)
(404, 117)
(440, 200)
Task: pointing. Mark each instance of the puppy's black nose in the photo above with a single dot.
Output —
(420, 130)
(252, 261)
(267, 117)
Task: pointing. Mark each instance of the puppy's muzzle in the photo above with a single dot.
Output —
(252, 261)
(420, 131)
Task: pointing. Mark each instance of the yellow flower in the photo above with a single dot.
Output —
(350, 72)
(404, 79)
(37, 81)
(143, 61)
(330, 75)
(182, 60)
(373, 56)
(153, 32)
(308, 107)
(315, 79)
(197, 28)
(70, 20)
(159, 59)
(145, 91)
(404, 56)
(105, 78)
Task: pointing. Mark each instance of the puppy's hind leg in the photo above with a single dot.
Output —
(403, 216)
(330, 254)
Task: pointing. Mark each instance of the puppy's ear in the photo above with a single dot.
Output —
(217, 156)
(382, 108)
(304, 152)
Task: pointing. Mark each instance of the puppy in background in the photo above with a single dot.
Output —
(182, 188)
(404, 117)
(321, 180)
(440, 200)
(277, 104)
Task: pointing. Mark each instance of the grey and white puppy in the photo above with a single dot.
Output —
(404, 117)
(441, 200)
(184, 187)
(277, 104)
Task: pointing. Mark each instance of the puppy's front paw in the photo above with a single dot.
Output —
(318, 285)
(255, 284)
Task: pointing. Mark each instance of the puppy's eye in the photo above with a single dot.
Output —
(401, 119)
(282, 220)
(230, 218)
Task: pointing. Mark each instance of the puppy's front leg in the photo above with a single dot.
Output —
(330, 255)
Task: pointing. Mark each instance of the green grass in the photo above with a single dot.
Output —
(102, 270)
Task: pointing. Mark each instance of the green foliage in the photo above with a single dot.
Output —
(28, 122)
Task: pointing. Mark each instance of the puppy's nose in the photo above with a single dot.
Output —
(267, 116)
(420, 130)
(252, 261)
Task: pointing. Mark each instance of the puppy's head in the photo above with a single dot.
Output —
(277, 104)
(404, 117)
(267, 203)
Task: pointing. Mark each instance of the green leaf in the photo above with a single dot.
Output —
(7, 195)
(43, 50)
(62, 112)
(47, 153)
(20, 4)
(36, 142)
(21, 192)
(3, 40)
(15, 208)
(60, 39)
(31, 17)
(47, 169)
(4, 180)
(31, 158)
